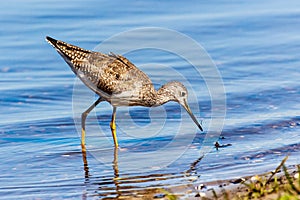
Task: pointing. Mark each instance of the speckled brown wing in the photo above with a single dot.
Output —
(113, 77)
(122, 80)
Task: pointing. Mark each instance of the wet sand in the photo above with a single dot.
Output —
(229, 189)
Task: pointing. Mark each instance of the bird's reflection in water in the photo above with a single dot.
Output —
(85, 165)
(130, 186)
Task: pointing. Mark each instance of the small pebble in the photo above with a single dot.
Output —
(239, 180)
(200, 187)
(158, 196)
(296, 176)
(274, 172)
(200, 194)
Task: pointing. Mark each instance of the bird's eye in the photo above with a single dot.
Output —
(182, 94)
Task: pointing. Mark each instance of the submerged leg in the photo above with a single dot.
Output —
(83, 118)
(113, 127)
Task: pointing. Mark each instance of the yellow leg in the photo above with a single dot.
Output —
(83, 118)
(113, 127)
(83, 140)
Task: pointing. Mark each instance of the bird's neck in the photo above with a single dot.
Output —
(163, 95)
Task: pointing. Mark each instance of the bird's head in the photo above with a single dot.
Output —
(176, 91)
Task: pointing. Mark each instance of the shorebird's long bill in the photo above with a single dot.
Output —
(187, 108)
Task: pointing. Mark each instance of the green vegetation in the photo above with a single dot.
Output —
(279, 184)
(269, 186)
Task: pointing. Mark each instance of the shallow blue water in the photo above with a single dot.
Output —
(255, 47)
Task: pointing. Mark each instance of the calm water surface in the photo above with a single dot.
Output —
(256, 47)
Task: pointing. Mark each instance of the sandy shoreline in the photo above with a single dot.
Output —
(230, 188)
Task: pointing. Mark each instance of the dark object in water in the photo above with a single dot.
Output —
(217, 145)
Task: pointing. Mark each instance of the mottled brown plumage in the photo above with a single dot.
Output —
(116, 80)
